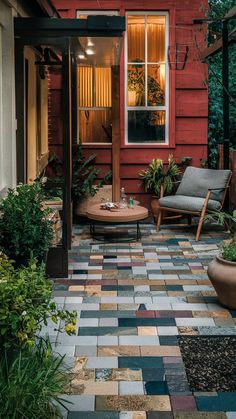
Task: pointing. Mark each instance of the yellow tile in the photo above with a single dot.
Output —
(108, 306)
(76, 288)
(147, 331)
(118, 350)
(160, 351)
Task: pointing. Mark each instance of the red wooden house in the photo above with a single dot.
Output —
(163, 100)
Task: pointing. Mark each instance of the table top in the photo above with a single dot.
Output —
(117, 215)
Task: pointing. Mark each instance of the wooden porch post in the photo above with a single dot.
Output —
(20, 111)
(115, 133)
(67, 145)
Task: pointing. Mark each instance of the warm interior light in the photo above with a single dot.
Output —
(81, 56)
(90, 51)
(90, 43)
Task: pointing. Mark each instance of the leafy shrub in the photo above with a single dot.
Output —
(30, 384)
(26, 305)
(84, 175)
(156, 175)
(24, 227)
(229, 221)
(229, 251)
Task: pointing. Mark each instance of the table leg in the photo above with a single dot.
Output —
(138, 232)
(92, 229)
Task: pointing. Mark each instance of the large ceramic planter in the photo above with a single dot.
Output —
(222, 274)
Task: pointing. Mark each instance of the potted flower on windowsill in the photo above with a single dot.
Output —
(159, 180)
(222, 270)
(25, 229)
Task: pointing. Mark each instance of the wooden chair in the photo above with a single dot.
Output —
(200, 191)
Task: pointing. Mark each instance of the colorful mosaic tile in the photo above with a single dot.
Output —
(134, 301)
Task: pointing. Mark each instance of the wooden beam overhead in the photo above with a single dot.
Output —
(217, 46)
(103, 26)
(231, 13)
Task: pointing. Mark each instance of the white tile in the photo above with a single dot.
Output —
(167, 330)
(199, 321)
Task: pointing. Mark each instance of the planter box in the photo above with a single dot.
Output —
(103, 194)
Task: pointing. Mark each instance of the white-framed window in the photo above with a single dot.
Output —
(146, 78)
(94, 83)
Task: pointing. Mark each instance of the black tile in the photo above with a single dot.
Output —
(153, 374)
(140, 321)
(80, 271)
(159, 415)
(168, 340)
(156, 387)
(140, 362)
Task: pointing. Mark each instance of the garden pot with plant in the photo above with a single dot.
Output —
(159, 180)
(25, 230)
(84, 176)
(222, 270)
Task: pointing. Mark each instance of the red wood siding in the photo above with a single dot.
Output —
(188, 99)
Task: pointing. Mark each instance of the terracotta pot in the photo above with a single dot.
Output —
(222, 274)
(155, 207)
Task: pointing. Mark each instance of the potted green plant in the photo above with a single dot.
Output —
(222, 270)
(25, 229)
(84, 176)
(157, 178)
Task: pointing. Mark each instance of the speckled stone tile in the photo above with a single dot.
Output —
(161, 403)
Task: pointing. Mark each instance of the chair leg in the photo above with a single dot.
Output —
(189, 220)
(202, 216)
(199, 228)
(159, 220)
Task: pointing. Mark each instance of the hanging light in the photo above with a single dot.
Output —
(90, 43)
(89, 51)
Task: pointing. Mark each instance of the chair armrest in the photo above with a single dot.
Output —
(218, 189)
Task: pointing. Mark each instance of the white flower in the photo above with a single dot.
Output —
(44, 179)
(15, 193)
(23, 313)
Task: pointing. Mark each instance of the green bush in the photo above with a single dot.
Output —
(24, 227)
(26, 304)
(30, 384)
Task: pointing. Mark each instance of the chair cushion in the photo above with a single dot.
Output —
(187, 203)
(196, 182)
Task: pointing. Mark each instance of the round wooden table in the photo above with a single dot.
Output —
(118, 215)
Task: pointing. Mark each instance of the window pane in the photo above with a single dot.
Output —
(95, 126)
(156, 85)
(136, 39)
(156, 38)
(85, 86)
(146, 126)
(136, 85)
(103, 87)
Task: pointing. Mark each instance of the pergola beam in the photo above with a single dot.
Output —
(101, 26)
